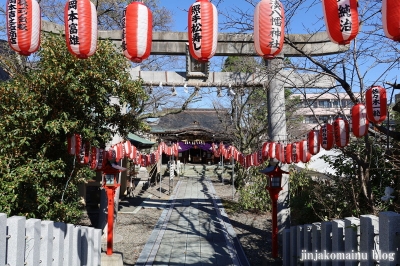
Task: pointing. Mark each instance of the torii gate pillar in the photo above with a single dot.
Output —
(277, 131)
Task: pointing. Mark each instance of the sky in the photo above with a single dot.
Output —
(304, 18)
(179, 10)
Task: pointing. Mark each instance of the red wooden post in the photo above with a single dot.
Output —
(274, 197)
(110, 218)
(110, 173)
(274, 175)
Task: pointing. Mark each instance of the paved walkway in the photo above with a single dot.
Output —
(194, 230)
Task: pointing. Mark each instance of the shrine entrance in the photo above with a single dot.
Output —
(194, 130)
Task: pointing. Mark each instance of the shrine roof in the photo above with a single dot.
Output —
(190, 119)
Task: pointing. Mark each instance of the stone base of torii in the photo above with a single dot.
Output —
(276, 79)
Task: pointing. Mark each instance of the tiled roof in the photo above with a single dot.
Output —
(191, 119)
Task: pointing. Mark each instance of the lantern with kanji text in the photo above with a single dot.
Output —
(341, 131)
(376, 104)
(296, 152)
(80, 20)
(326, 136)
(341, 20)
(202, 30)
(269, 28)
(23, 26)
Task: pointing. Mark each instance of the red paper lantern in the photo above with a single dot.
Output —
(102, 161)
(221, 148)
(260, 157)
(277, 151)
(137, 32)
(127, 148)
(144, 161)
(132, 155)
(265, 150)
(341, 131)
(255, 159)
(94, 158)
(247, 161)
(376, 104)
(80, 19)
(326, 136)
(242, 159)
(283, 156)
(313, 141)
(176, 150)
(391, 19)
(269, 28)
(280, 152)
(341, 20)
(119, 152)
(359, 120)
(84, 153)
(272, 150)
(236, 155)
(202, 30)
(23, 26)
(74, 144)
(295, 152)
(288, 153)
(305, 156)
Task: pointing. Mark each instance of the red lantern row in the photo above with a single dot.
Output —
(341, 19)
(97, 158)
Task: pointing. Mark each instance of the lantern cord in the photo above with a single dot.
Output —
(388, 120)
(69, 179)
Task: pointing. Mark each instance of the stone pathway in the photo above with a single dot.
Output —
(194, 230)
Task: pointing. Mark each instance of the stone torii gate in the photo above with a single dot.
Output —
(276, 79)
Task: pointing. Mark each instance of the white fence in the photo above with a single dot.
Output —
(35, 242)
(369, 240)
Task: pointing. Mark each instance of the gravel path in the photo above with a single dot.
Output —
(133, 229)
